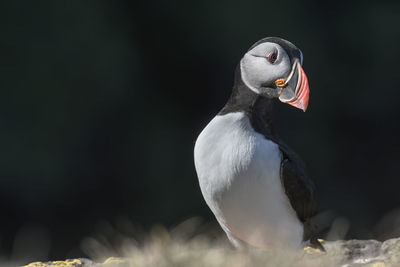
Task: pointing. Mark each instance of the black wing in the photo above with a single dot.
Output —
(300, 191)
(298, 186)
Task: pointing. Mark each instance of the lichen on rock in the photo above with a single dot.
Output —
(110, 262)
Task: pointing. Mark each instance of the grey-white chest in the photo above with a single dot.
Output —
(239, 176)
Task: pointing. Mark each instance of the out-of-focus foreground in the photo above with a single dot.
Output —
(194, 243)
(182, 247)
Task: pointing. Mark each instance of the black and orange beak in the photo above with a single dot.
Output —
(295, 90)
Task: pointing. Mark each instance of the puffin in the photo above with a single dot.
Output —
(256, 186)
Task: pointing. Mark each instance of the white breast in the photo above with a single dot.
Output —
(239, 175)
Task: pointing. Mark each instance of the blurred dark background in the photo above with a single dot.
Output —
(101, 103)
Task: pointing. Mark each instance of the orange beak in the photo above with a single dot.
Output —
(302, 91)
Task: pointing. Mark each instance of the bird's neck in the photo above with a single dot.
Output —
(258, 108)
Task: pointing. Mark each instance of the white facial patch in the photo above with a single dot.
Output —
(256, 70)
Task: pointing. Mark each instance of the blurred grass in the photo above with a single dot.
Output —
(183, 245)
(196, 243)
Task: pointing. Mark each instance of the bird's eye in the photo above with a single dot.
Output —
(272, 57)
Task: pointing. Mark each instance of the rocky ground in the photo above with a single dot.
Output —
(338, 253)
(110, 262)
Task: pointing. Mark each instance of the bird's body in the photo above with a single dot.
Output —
(254, 184)
(239, 172)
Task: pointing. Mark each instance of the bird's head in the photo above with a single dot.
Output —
(272, 68)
